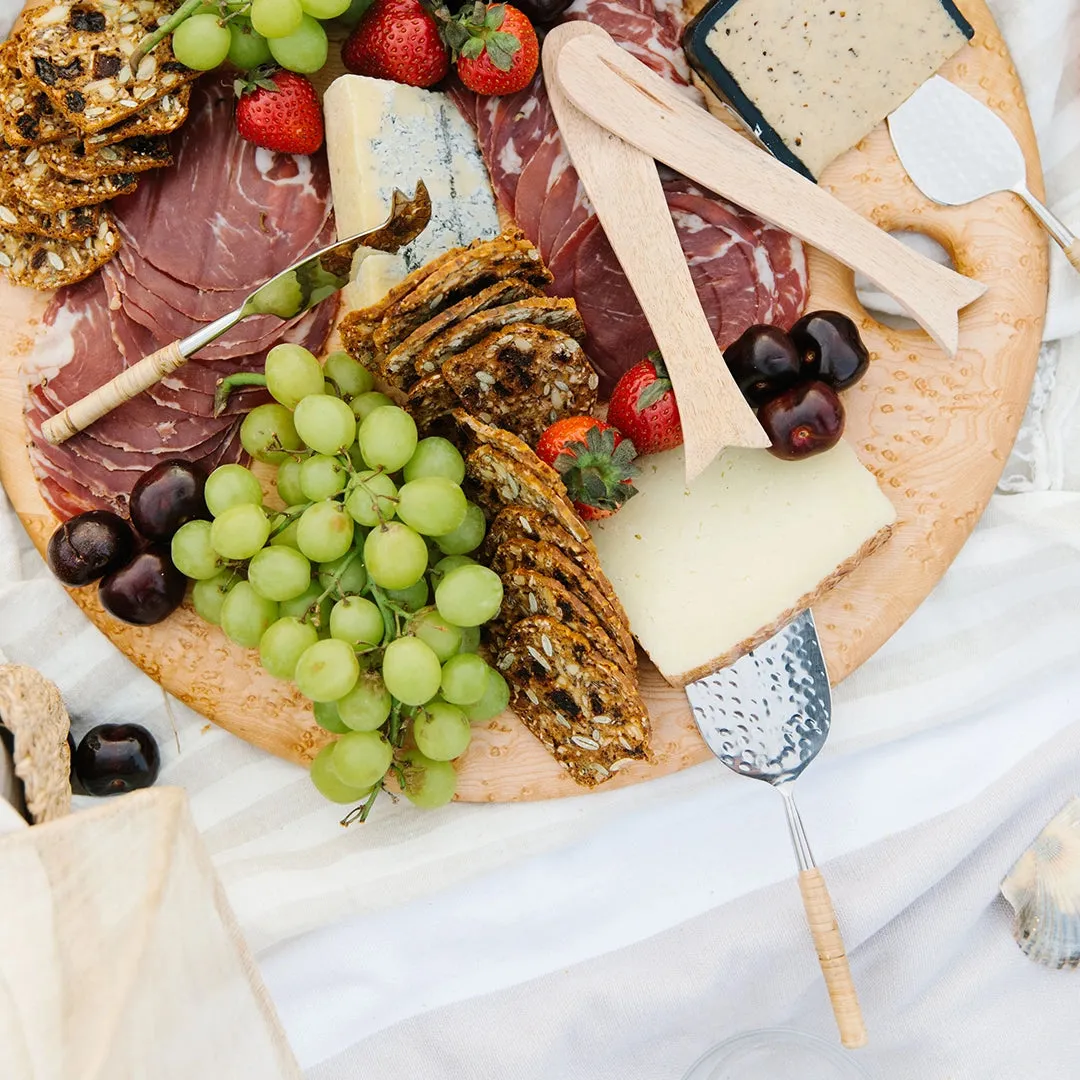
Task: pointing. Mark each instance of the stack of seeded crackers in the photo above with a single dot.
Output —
(78, 126)
(474, 349)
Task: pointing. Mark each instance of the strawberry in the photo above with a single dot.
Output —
(644, 409)
(279, 110)
(594, 461)
(495, 48)
(398, 40)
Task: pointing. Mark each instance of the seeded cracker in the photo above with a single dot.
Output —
(430, 400)
(27, 117)
(44, 263)
(17, 217)
(46, 190)
(70, 157)
(397, 367)
(528, 523)
(77, 54)
(587, 713)
(523, 378)
(161, 117)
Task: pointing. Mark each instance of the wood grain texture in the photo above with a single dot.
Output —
(935, 431)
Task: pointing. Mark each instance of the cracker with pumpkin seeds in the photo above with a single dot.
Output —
(160, 117)
(527, 592)
(45, 263)
(77, 52)
(46, 190)
(27, 117)
(71, 157)
(588, 585)
(17, 217)
(587, 712)
(523, 378)
(556, 312)
(398, 366)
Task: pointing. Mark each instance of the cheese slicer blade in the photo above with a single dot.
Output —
(767, 716)
(956, 151)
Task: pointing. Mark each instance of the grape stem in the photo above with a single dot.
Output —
(335, 579)
(395, 732)
(187, 8)
(360, 813)
(388, 611)
(239, 378)
(290, 516)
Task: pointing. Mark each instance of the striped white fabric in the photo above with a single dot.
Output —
(361, 929)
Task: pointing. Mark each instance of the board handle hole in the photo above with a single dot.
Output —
(883, 307)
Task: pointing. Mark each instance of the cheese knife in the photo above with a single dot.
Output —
(956, 150)
(289, 293)
(767, 716)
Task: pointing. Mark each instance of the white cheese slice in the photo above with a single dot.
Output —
(823, 74)
(706, 572)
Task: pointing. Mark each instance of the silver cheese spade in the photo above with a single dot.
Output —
(767, 716)
(294, 290)
(956, 150)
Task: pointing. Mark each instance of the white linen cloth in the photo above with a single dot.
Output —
(412, 944)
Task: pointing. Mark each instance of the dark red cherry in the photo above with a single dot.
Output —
(830, 348)
(114, 758)
(88, 546)
(802, 421)
(146, 590)
(167, 496)
(764, 362)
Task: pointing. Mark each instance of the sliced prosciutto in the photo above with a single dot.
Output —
(197, 239)
(745, 270)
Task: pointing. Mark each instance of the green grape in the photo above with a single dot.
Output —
(366, 403)
(470, 639)
(279, 573)
(325, 531)
(231, 485)
(357, 620)
(387, 437)
(201, 42)
(372, 498)
(288, 482)
(442, 637)
(347, 374)
(411, 670)
(283, 643)
(325, 9)
(426, 783)
(322, 476)
(292, 373)
(276, 18)
(356, 458)
(356, 11)
(361, 758)
(328, 717)
(302, 606)
(411, 599)
(464, 679)
(281, 295)
(367, 705)
(245, 615)
(435, 456)
(304, 50)
(327, 670)
(329, 786)
(432, 505)
(441, 731)
(469, 595)
(192, 553)
(346, 574)
(240, 531)
(468, 536)
(495, 700)
(247, 49)
(448, 563)
(209, 594)
(284, 536)
(395, 556)
(325, 423)
(269, 434)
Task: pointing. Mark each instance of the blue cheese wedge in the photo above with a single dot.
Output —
(708, 572)
(813, 77)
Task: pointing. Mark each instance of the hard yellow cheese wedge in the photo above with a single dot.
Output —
(706, 572)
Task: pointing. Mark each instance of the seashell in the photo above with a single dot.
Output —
(1044, 891)
(34, 713)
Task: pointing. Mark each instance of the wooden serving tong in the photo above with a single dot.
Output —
(616, 116)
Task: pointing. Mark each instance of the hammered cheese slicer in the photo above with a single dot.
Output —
(767, 716)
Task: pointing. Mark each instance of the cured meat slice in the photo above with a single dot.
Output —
(564, 264)
(534, 183)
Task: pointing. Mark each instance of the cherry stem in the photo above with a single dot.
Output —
(188, 7)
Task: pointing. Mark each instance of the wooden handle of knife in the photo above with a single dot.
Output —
(821, 919)
(129, 383)
(1072, 253)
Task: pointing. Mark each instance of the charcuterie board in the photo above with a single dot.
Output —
(935, 431)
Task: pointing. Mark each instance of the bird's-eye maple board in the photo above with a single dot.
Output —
(935, 431)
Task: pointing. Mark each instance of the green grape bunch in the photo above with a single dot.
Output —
(362, 591)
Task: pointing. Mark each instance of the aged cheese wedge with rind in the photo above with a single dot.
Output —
(705, 573)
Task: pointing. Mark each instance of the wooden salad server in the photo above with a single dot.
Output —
(287, 294)
(623, 95)
(624, 187)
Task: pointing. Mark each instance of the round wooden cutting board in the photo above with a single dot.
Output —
(935, 431)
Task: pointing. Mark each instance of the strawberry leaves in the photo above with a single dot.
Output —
(476, 29)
